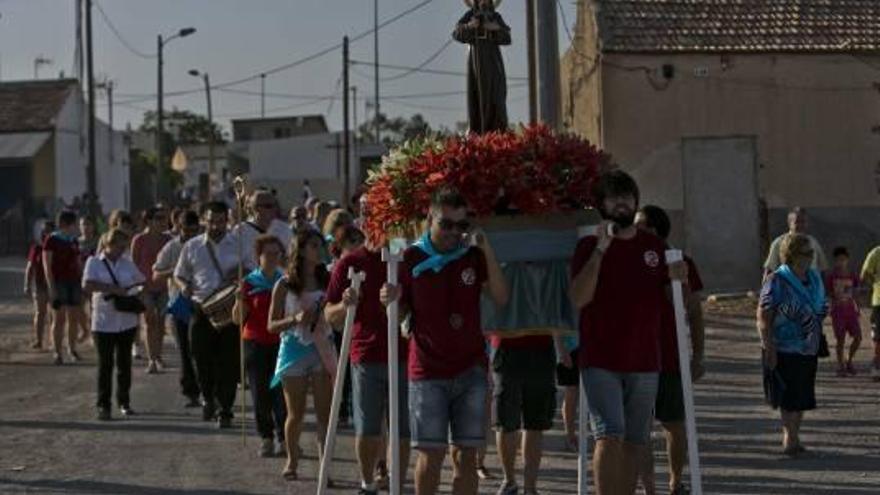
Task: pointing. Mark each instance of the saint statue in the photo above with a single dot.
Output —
(485, 31)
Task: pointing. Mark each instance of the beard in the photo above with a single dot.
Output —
(623, 217)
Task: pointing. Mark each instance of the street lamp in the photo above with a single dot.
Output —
(211, 169)
(159, 117)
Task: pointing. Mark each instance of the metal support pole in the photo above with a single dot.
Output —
(549, 86)
(160, 131)
(531, 50)
(346, 158)
(91, 175)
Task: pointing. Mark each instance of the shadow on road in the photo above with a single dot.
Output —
(88, 486)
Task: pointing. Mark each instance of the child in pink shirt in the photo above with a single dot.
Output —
(841, 283)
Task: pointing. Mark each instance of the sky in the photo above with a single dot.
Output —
(237, 39)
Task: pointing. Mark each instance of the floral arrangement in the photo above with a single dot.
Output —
(531, 171)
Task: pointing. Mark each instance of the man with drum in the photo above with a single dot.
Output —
(206, 272)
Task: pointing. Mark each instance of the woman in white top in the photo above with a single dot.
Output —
(306, 356)
(109, 274)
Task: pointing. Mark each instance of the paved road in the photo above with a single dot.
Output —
(51, 443)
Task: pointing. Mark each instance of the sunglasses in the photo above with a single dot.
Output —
(447, 224)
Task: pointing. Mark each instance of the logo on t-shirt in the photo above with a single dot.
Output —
(469, 276)
(652, 259)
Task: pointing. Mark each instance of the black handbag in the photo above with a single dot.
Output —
(124, 304)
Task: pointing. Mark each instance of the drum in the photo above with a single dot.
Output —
(218, 307)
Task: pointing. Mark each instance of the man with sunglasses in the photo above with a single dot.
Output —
(262, 206)
(442, 278)
(180, 306)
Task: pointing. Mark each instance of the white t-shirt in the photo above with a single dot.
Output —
(293, 304)
(167, 260)
(196, 266)
(105, 317)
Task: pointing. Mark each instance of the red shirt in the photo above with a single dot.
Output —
(620, 328)
(447, 337)
(144, 251)
(35, 257)
(257, 323)
(65, 259)
(669, 336)
(840, 287)
(369, 338)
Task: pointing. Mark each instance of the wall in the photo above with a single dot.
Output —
(70, 150)
(581, 79)
(112, 168)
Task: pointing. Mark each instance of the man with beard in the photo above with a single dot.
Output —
(443, 276)
(619, 284)
(180, 307)
(207, 263)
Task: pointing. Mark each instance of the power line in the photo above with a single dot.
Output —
(426, 71)
(272, 110)
(118, 34)
(422, 65)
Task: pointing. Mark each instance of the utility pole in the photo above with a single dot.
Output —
(531, 49)
(160, 122)
(548, 64)
(206, 193)
(262, 96)
(354, 109)
(346, 143)
(376, 68)
(91, 181)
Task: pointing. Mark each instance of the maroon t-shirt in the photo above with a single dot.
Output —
(35, 256)
(369, 338)
(668, 336)
(65, 259)
(447, 337)
(256, 326)
(620, 328)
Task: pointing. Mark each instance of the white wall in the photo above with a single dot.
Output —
(70, 150)
(306, 157)
(71, 158)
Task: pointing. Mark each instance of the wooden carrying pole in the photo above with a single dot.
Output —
(240, 187)
(682, 332)
(341, 368)
(393, 259)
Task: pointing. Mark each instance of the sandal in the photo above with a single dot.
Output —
(290, 475)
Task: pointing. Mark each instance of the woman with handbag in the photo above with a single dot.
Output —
(112, 278)
(306, 358)
(790, 313)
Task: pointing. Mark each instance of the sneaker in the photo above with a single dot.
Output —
(680, 490)
(58, 360)
(126, 411)
(267, 448)
(136, 351)
(74, 356)
(484, 473)
(851, 369)
(104, 414)
(209, 411)
(160, 365)
(225, 420)
(192, 401)
(152, 368)
(37, 346)
(508, 488)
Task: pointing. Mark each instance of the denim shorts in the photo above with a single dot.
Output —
(621, 405)
(450, 411)
(66, 294)
(307, 365)
(369, 387)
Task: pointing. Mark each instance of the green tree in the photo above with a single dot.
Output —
(396, 130)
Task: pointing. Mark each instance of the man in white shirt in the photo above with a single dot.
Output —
(262, 220)
(208, 263)
(180, 307)
(797, 224)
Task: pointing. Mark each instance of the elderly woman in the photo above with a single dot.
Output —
(110, 275)
(790, 314)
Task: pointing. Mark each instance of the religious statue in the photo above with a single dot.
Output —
(484, 30)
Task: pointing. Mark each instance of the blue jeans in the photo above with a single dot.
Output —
(621, 405)
(451, 411)
(369, 386)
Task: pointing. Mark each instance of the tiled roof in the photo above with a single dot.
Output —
(32, 105)
(739, 25)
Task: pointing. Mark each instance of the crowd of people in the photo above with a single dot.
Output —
(284, 279)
